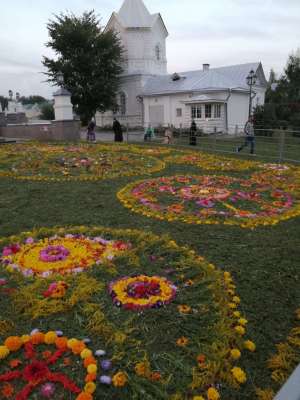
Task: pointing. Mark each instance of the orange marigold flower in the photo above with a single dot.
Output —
(67, 361)
(155, 376)
(37, 338)
(15, 363)
(201, 359)
(13, 343)
(89, 360)
(119, 379)
(61, 343)
(7, 391)
(84, 396)
(142, 369)
(184, 309)
(78, 347)
(90, 377)
(183, 341)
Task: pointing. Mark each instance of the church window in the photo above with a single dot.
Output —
(207, 110)
(217, 111)
(179, 112)
(157, 52)
(122, 103)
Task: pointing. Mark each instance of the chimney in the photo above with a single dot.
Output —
(206, 67)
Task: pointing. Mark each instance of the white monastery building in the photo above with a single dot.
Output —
(216, 98)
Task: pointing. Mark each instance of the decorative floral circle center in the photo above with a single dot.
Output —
(54, 253)
(140, 292)
(63, 255)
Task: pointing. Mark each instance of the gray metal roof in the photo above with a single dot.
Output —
(222, 78)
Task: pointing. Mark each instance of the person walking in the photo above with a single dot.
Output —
(250, 138)
(193, 131)
(91, 136)
(117, 128)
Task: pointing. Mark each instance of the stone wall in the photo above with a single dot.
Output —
(55, 130)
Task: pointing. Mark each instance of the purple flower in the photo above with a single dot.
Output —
(29, 240)
(106, 365)
(59, 333)
(106, 380)
(86, 340)
(100, 353)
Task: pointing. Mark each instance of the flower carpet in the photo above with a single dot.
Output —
(126, 304)
(90, 311)
(220, 199)
(45, 162)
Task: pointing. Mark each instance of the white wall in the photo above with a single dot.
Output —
(171, 102)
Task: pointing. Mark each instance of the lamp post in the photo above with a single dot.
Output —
(60, 78)
(251, 81)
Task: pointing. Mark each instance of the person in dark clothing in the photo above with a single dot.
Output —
(91, 136)
(193, 131)
(118, 131)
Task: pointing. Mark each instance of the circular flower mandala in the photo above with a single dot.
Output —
(191, 323)
(83, 162)
(140, 292)
(38, 368)
(211, 200)
(59, 255)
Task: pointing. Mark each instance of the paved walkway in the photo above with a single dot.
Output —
(109, 136)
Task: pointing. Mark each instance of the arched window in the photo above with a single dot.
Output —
(157, 52)
(123, 103)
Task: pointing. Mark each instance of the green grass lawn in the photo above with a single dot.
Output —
(264, 262)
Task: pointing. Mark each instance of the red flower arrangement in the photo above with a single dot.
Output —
(36, 371)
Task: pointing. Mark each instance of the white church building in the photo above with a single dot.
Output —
(216, 98)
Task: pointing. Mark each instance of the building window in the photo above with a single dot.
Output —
(207, 110)
(179, 112)
(217, 111)
(123, 103)
(196, 112)
(157, 52)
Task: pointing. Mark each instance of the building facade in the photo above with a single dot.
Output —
(216, 98)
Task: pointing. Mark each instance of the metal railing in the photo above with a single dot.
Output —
(277, 145)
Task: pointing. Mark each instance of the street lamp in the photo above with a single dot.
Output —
(251, 81)
(60, 78)
(17, 96)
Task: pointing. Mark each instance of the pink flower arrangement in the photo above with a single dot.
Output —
(54, 254)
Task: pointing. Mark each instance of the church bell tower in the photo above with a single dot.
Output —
(143, 36)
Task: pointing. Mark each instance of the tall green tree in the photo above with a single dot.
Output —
(282, 108)
(90, 60)
(33, 99)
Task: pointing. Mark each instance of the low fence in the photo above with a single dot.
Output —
(276, 145)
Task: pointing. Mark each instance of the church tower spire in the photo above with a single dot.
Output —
(143, 36)
(134, 14)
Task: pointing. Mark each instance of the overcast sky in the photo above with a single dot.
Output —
(219, 32)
